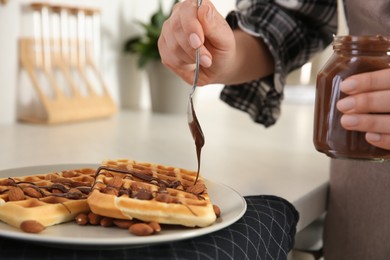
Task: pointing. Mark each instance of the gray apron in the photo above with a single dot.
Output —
(357, 226)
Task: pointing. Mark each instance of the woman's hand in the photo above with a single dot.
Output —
(226, 56)
(367, 106)
(189, 28)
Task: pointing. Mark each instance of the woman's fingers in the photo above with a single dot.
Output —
(181, 35)
(376, 123)
(368, 102)
(367, 93)
(367, 106)
(376, 126)
(379, 140)
(366, 82)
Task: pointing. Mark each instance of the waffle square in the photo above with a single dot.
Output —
(38, 201)
(126, 189)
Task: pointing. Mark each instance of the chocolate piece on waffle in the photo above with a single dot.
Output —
(38, 201)
(126, 189)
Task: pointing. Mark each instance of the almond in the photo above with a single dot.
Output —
(217, 211)
(116, 181)
(94, 219)
(141, 229)
(89, 171)
(32, 192)
(123, 223)
(81, 219)
(15, 194)
(31, 226)
(196, 189)
(74, 190)
(143, 194)
(106, 222)
(155, 225)
(7, 182)
(51, 176)
(68, 174)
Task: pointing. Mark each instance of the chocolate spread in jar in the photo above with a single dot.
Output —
(352, 55)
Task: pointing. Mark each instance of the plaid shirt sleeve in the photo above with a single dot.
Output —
(294, 30)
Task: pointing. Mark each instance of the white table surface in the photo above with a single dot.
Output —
(280, 160)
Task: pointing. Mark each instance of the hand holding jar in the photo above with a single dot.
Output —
(352, 108)
(367, 106)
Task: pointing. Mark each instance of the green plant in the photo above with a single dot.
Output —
(145, 45)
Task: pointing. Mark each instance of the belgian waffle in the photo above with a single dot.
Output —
(38, 201)
(126, 189)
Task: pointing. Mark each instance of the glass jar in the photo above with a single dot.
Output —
(352, 55)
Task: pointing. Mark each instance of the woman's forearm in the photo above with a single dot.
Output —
(253, 60)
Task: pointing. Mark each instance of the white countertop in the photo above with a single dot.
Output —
(280, 160)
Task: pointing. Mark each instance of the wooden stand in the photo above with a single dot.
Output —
(61, 108)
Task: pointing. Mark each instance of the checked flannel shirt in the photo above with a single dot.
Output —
(294, 30)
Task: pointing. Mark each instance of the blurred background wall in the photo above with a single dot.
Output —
(117, 24)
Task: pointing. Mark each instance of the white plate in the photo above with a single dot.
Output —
(231, 203)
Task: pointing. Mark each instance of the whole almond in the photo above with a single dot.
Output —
(32, 192)
(141, 229)
(51, 176)
(7, 182)
(31, 226)
(68, 174)
(123, 223)
(94, 219)
(81, 219)
(88, 171)
(15, 194)
(217, 211)
(143, 194)
(196, 189)
(155, 225)
(74, 190)
(116, 181)
(106, 222)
